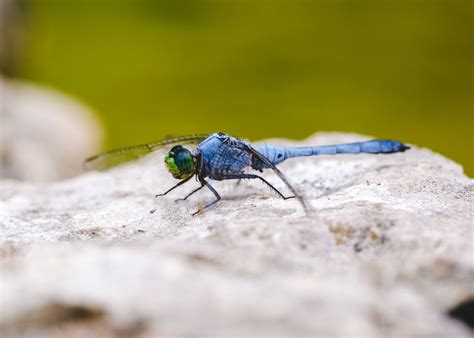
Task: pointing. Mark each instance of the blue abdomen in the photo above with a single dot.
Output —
(278, 154)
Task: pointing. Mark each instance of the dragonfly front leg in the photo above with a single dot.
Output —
(192, 192)
(252, 176)
(174, 187)
(218, 197)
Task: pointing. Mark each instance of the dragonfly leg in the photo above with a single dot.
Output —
(174, 187)
(218, 197)
(192, 192)
(252, 176)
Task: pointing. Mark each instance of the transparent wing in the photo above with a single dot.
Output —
(277, 171)
(115, 157)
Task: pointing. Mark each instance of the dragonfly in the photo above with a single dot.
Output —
(221, 157)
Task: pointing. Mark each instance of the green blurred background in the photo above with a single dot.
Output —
(399, 69)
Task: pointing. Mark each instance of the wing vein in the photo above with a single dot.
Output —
(116, 157)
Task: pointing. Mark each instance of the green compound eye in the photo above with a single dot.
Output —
(180, 162)
(173, 169)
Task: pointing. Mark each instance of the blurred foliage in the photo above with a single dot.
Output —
(398, 69)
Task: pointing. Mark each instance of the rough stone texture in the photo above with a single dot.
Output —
(44, 135)
(387, 252)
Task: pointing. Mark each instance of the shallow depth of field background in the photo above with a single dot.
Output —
(400, 69)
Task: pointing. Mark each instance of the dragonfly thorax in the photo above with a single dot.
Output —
(180, 162)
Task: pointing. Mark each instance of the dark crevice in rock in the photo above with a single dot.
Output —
(464, 312)
(79, 313)
(69, 319)
(57, 313)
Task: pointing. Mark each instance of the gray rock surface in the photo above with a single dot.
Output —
(388, 251)
(44, 134)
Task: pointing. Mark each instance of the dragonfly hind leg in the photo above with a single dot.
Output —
(218, 197)
(253, 176)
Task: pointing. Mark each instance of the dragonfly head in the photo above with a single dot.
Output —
(180, 162)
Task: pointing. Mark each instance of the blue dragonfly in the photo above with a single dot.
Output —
(222, 157)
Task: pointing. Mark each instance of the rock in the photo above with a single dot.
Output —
(45, 135)
(386, 252)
